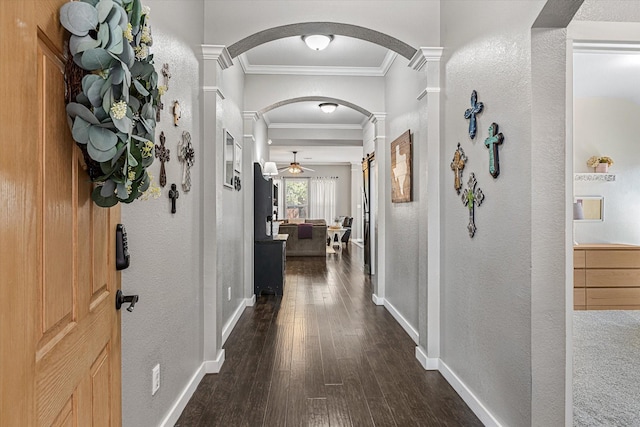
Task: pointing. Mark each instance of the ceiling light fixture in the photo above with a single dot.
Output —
(328, 107)
(317, 41)
(295, 169)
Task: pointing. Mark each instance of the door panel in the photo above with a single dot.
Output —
(60, 337)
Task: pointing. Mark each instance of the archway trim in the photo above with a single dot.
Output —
(327, 28)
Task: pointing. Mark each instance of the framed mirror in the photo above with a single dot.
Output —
(588, 208)
(228, 152)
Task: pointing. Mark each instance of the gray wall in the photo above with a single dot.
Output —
(486, 284)
(343, 186)
(166, 325)
(231, 254)
(401, 225)
(608, 126)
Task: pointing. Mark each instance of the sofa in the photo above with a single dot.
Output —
(315, 246)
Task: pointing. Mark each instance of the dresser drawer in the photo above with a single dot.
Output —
(578, 277)
(578, 258)
(606, 278)
(612, 298)
(579, 299)
(612, 259)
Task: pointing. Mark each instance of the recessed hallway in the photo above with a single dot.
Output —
(323, 354)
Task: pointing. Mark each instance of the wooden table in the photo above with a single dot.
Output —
(332, 232)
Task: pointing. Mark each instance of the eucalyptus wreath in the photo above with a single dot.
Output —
(112, 114)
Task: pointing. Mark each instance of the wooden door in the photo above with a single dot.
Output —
(60, 332)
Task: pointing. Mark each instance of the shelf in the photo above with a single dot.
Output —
(599, 177)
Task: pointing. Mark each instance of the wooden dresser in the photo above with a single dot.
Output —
(606, 277)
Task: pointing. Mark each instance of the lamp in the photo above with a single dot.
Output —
(317, 41)
(270, 169)
(328, 107)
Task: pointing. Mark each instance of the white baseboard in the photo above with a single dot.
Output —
(231, 323)
(214, 366)
(428, 363)
(402, 321)
(176, 410)
(377, 300)
(467, 395)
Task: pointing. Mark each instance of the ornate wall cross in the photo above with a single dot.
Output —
(186, 155)
(492, 143)
(177, 112)
(162, 153)
(470, 113)
(472, 197)
(173, 195)
(457, 165)
(166, 75)
(159, 108)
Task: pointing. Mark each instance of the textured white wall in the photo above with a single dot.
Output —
(486, 284)
(413, 22)
(166, 325)
(231, 224)
(401, 223)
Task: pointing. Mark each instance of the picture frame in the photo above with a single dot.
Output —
(401, 165)
(228, 151)
(591, 208)
(237, 158)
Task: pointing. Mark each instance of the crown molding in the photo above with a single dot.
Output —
(379, 71)
(339, 126)
(426, 91)
(251, 115)
(424, 55)
(592, 47)
(374, 117)
(212, 52)
(215, 89)
(251, 137)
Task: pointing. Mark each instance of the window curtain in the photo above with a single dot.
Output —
(281, 202)
(322, 203)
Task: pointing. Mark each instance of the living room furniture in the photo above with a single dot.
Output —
(335, 236)
(348, 222)
(315, 246)
(606, 277)
(270, 264)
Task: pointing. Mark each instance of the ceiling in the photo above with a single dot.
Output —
(607, 71)
(318, 137)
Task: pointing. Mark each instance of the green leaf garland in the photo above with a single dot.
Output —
(113, 116)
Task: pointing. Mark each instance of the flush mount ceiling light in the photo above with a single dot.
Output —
(328, 107)
(317, 41)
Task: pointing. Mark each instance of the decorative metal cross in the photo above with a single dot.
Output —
(166, 75)
(186, 155)
(470, 113)
(472, 197)
(492, 143)
(173, 195)
(159, 108)
(163, 154)
(457, 165)
(177, 112)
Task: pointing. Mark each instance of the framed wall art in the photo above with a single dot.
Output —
(401, 169)
(228, 151)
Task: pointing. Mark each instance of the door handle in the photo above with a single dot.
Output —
(122, 299)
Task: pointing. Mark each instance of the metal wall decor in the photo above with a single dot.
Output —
(472, 197)
(493, 140)
(237, 184)
(163, 154)
(177, 112)
(166, 75)
(470, 113)
(457, 165)
(186, 155)
(173, 195)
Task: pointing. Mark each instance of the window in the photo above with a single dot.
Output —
(297, 197)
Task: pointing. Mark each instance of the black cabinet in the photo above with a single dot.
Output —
(269, 262)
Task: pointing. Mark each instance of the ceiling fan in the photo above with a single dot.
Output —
(295, 167)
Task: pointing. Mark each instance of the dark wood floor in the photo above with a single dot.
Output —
(323, 355)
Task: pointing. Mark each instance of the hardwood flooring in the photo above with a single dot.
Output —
(323, 355)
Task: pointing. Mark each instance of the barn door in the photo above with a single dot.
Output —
(60, 354)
